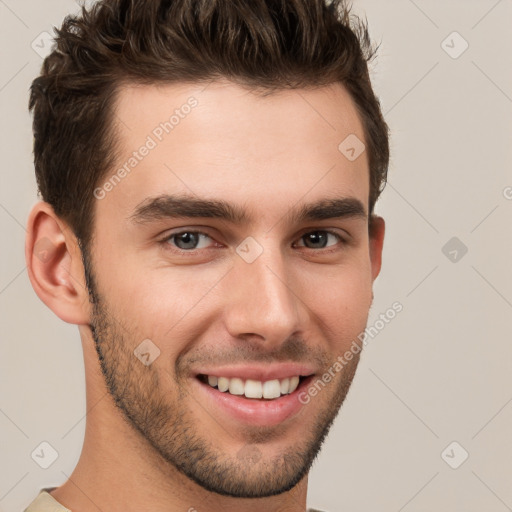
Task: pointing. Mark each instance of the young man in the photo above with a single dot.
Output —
(209, 172)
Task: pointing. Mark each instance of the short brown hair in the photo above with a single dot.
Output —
(265, 45)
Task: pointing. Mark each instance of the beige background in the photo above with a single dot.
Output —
(439, 372)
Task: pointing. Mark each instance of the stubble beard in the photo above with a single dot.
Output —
(171, 431)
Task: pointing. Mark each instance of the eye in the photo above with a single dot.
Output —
(319, 239)
(188, 240)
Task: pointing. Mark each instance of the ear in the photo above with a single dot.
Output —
(54, 265)
(377, 229)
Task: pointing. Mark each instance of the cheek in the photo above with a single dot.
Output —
(341, 298)
(163, 304)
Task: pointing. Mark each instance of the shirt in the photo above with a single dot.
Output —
(45, 502)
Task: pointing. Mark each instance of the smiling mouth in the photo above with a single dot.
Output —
(254, 389)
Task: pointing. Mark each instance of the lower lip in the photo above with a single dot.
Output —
(253, 411)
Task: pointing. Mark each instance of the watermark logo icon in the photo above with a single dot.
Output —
(454, 45)
(43, 249)
(454, 249)
(42, 44)
(454, 455)
(44, 455)
(249, 249)
(146, 352)
(352, 147)
(249, 454)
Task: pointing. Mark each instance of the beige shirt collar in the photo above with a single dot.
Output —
(45, 502)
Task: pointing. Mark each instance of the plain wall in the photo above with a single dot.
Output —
(439, 372)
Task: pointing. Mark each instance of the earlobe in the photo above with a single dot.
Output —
(376, 235)
(54, 265)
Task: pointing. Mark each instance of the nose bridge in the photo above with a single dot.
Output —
(262, 302)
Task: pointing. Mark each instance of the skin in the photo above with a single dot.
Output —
(294, 302)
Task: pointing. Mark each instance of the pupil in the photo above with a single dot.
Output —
(317, 237)
(189, 239)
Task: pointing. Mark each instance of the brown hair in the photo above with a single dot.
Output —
(266, 45)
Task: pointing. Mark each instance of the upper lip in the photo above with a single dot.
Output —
(261, 372)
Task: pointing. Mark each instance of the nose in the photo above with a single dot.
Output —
(262, 303)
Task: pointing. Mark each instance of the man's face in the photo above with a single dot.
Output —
(255, 300)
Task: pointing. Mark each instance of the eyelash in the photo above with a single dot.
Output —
(165, 241)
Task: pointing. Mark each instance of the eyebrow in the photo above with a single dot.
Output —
(183, 206)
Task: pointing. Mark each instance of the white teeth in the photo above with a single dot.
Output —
(254, 388)
(294, 382)
(223, 384)
(236, 386)
(285, 386)
(271, 389)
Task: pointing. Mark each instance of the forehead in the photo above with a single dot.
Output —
(225, 141)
